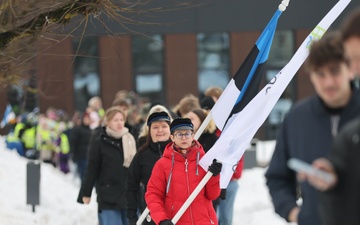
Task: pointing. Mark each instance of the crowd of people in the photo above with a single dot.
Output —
(115, 150)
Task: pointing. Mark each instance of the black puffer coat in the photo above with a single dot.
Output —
(139, 173)
(106, 170)
(79, 141)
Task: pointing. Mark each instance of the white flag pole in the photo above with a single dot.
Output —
(191, 197)
(203, 126)
(143, 216)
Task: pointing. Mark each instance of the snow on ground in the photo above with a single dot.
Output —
(59, 192)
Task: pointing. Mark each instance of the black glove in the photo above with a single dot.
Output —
(223, 194)
(166, 222)
(215, 168)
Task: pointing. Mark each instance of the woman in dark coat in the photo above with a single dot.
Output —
(79, 144)
(144, 161)
(110, 156)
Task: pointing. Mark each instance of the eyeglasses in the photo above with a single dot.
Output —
(187, 135)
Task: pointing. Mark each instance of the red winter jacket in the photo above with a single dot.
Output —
(186, 174)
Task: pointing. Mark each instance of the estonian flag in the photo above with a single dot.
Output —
(237, 136)
(246, 82)
(9, 116)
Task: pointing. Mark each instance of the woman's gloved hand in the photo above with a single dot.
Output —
(215, 167)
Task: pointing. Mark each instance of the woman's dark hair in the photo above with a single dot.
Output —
(326, 50)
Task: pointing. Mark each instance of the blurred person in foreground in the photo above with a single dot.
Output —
(110, 156)
(141, 167)
(340, 200)
(309, 128)
(176, 175)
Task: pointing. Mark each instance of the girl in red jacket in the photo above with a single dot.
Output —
(176, 175)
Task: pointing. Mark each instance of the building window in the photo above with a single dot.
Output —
(86, 67)
(282, 49)
(148, 66)
(213, 60)
(281, 52)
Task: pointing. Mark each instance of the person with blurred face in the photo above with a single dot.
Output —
(157, 138)
(124, 106)
(340, 198)
(110, 156)
(310, 127)
(332, 83)
(176, 175)
(351, 40)
(79, 141)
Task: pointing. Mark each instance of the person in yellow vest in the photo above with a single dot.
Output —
(63, 148)
(46, 140)
(27, 136)
(13, 141)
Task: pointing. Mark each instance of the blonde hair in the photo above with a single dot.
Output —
(156, 108)
(95, 102)
(111, 112)
(186, 104)
(213, 92)
(202, 114)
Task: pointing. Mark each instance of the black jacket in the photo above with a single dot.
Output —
(139, 174)
(105, 168)
(341, 205)
(207, 140)
(79, 141)
(305, 134)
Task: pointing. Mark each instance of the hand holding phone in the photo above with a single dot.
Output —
(301, 166)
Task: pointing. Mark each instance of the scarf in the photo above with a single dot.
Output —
(184, 152)
(128, 143)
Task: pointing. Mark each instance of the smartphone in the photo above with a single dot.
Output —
(301, 166)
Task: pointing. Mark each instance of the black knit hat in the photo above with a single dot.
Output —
(207, 102)
(181, 124)
(158, 116)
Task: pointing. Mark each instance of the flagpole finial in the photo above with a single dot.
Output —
(283, 5)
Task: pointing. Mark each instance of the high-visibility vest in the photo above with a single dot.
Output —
(46, 142)
(18, 128)
(13, 136)
(28, 138)
(101, 113)
(64, 144)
